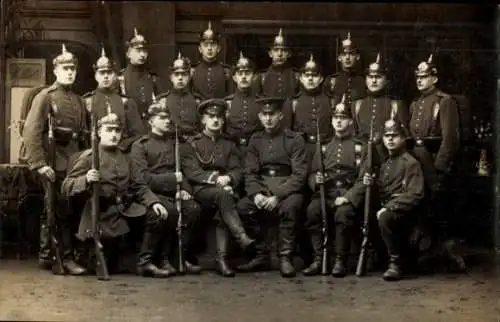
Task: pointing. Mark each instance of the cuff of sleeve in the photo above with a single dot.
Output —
(37, 165)
(80, 185)
(213, 176)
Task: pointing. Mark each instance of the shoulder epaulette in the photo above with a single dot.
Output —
(442, 94)
(88, 94)
(226, 65)
(143, 138)
(153, 74)
(197, 96)
(162, 95)
(299, 93)
(229, 97)
(195, 64)
(51, 88)
(256, 135)
(85, 153)
(290, 133)
(122, 71)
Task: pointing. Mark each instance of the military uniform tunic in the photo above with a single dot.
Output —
(282, 81)
(121, 192)
(242, 116)
(138, 83)
(211, 80)
(183, 107)
(126, 109)
(349, 83)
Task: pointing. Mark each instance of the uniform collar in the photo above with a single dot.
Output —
(246, 93)
(137, 68)
(209, 63)
(382, 92)
(426, 94)
(160, 137)
(105, 91)
(66, 88)
(396, 153)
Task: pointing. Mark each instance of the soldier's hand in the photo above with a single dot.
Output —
(259, 200)
(160, 210)
(183, 195)
(222, 181)
(271, 203)
(229, 188)
(48, 173)
(339, 201)
(179, 177)
(320, 178)
(380, 212)
(368, 179)
(93, 176)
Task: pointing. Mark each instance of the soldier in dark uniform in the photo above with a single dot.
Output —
(181, 102)
(341, 157)
(136, 80)
(348, 81)
(210, 77)
(377, 106)
(276, 170)
(70, 132)
(400, 184)
(242, 113)
(98, 100)
(312, 106)
(153, 158)
(123, 194)
(216, 177)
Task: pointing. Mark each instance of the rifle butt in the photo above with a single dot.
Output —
(57, 265)
(324, 262)
(361, 266)
(101, 265)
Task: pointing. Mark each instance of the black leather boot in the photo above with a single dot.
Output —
(164, 262)
(285, 255)
(44, 254)
(222, 242)
(393, 272)
(315, 267)
(233, 222)
(260, 262)
(72, 268)
(145, 266)
(339, 268)
(342, 249)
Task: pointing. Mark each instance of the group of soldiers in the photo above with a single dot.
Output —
(247, 154)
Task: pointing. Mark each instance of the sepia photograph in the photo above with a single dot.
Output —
(213, 161)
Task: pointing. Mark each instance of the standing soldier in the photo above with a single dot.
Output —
(349, 81)
(400, 184)
(341, 157)
(210, 78)
(70, 127)
(216, 177)
(377, 106)
(280, 79)
(311, 106)
(276, 170)
(182, 103)
(243, 110)
(136, 80)
(122, 195)
(98, 100)
(153, 158)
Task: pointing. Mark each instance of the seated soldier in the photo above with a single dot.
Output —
(154, 159)
(215, 176)
(341, 158)
(276, 170)
(121, 195)
(400, 184)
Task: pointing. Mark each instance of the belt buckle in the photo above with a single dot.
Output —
(338, 184)
(272, 172)
(243, 141)
(312, 138)
(419, 142)
(118, 200)
(74, 135)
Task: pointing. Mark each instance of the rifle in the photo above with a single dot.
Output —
(57, 266)
(361, 267)
(101, 267)
(324, 261)
(178, 204)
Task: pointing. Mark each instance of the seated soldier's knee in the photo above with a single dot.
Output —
(344, 215)
(291, 204)
(386, 219)
(313, 211)
(153, 221)
(224, 195)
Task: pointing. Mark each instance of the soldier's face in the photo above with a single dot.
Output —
(426, 82)
(110, 135)
(270, 119)
(161, 123)
(393, 141)
(179, 79)
(137, 56)
(279, 55)
(65, 73)
(341, 123)
(375, 82)
(348, 60)
(310, 80)
(209, 50)
(213, 122)
(243, 78)
(105, 78)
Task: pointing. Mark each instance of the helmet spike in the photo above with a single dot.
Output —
(343, 99)
(103, 52)
(311, 58)
(64, 50)
(108, 108)
(378, 58)
(136, 33)
(179, 56)
(280, 33)
(209, 25)
(349, 35)
(153, 96)
(429, 60)
(241, 55)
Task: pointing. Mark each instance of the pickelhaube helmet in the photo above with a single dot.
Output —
(426, 68)
(270, 104)
(157, 106)
(378, 67)
(137, 41)
(181, 64)
(279, 41)
(65, 57)
(110, 119)
(311, 66)
(104, 62)
(209, 34)
(394, 127)
(341, 109)
(243, 63)
(214, 106)
(348, 45)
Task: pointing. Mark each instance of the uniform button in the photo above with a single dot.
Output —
(244, 101)
(338, 171)
(339, 150)
(245, 107)
(209, 69)
(314, 110)
(338, 155)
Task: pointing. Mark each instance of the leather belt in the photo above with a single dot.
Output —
(121, 201)
(276, 171)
